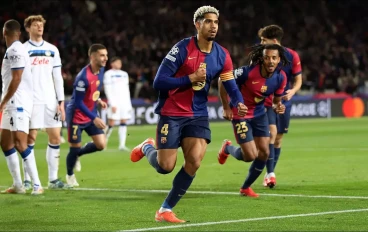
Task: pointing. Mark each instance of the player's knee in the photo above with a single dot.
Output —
(31, 139)
(278, 140)
(249, 155)
(100, 146)
(164, 171)
(263, 153)
(54, 140)
(20, 145)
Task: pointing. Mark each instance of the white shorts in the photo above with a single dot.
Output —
(15, 120)
(45, 116)
(121, 113)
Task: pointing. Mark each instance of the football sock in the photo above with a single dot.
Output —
(234, 151)
(26, 175)
(109, 131)
(12, 161)
(277, 155)
(52, 158)
(254, 171)
(88, 148)
(151, 153)
(270, 162)
(122, 134)
(30, 165)
(71, 159)
(181, 183)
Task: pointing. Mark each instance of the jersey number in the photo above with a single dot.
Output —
(165, 129)
(11, 121)
(241, 127)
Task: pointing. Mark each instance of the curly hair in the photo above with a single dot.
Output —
(255, 56)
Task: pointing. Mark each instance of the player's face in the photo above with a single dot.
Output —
(36, 28)
(271, 59)
(100, 57)
(116, 64)
(208, 27)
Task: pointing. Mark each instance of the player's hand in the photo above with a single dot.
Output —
(60, 111)
(114, 109)
(227, 113)
(242, 109)
(289, 94)
(198, 76)
(280, 108)
(102, 104)
(99, 123)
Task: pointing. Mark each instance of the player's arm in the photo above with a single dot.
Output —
(109, 89)
(80, 93)
(58, 78)
(17, 64)
(296, 70)
(277, 104)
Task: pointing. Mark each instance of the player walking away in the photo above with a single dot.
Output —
(273, 34)
(16, 105)
(116, 85)
(48, 103)
(183, 81)
(256, 82)
(81, 112)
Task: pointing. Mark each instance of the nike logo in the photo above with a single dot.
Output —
(191, 58)
(255, 82)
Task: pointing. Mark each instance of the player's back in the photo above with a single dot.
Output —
(16, 57)
(119, 84)
(184, 59)
(255, 88)
(89, 84)
(44, 57)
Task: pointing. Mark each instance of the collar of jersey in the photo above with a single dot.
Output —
(43, 41)
(196, 43)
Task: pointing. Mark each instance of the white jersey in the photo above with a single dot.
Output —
(16, 57)
(116, 85)
(44, 58)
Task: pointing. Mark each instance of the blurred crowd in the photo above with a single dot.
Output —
(330, 36)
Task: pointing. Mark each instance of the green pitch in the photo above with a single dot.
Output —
(319, 158)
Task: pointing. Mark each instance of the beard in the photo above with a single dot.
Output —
(210, 38)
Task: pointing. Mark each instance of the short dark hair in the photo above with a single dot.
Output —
(94, 48)
(115, 58)
(271, 32)
(12, 26)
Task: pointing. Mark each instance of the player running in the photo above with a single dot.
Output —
(256, 82)
(183, 81)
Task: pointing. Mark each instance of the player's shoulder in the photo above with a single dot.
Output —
(16, 48)
(281, 73)
(50, 46)
(291, 52)
(82, 73)
(243, 70)
(220, 48)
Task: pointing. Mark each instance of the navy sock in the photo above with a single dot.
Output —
(181, 183)
(270, 162)
(277, 155)
(71, 159)
(234, 151)
(25, 153)
(151, 153)
(31, 146)
(254, 171)
(11, 151)
(88, 148)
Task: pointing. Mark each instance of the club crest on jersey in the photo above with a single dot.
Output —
(95, 95)
(198, 85)
(47, 53)
(258, 99)
(243, 135)
(263, 88)
(163, 140)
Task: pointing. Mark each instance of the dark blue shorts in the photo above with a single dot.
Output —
(246, 129)
(271, 114)
(171, 130)
(75, 131)
(283, 121)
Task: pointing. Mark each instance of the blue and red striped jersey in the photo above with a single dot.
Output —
(255, 88)
(292, 70)
(177, 95)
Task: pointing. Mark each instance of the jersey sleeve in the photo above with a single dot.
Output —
(57, 59)
(296, 66)
(16, 58)
(109, 88)
(227, 71)
(176, 56)
(241, 74)
(282, 85)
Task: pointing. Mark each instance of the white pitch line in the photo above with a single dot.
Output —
(247, 220)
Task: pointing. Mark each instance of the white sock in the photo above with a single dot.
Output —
(122, 135)
(164, 210)
(25, 173)
(52, 158)
(109, 132)
(31, 167)
(13, 164)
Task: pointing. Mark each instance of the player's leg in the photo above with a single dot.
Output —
(11, 156)
(74, 138)
(98, 140)
(270, 177)
(283, 121)
(125, 114)
(32, 135)
(112, 118)
(247, 150)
